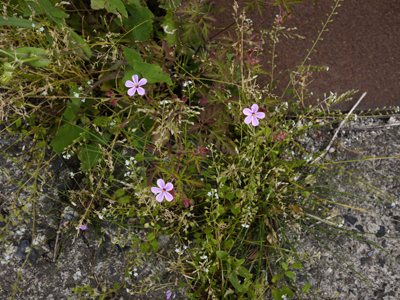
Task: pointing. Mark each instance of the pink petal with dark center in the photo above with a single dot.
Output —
(254, 108)
(255, 121)
(247, 111)
(129, 83)
(156, 190)
(169, 197)
(143, 81)
(260, 115)
(248, 119)
(169, 186)
(132, 91)
(160, 197)
(135, 79)
(141, 91)
(161, 183)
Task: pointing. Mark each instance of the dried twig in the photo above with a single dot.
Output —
(338, 129)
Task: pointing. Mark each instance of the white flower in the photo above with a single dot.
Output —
(92, 195)
(41, 29)
(209, 194)
(327, 68)
(185, 84)
(201, 179)
(185, 247)
(135, 269)
(237, 151)
(132, 158)
(206, 270)
(89, 82)
(135, 274)
(130, 273)
(33, 25)
(44, 93)
(83, 100)
(127, 162)
(127, 290)
(216, 196)
(80, 88)
(175, 75)
(71, 174)
(100, 217)
(189, 214)
(76, 95)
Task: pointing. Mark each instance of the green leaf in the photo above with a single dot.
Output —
(222, 255)
(151, 236)
(290, 274)
(131, 55)
(89, 156)
(306, 288)
(116, 286)
(65, 137)
(140, 23)
(145, 247)
(276, 294)
(287, 291)
(80, 46)
(11, 21)
(139, 157)
(170, 28)
(284, 266)
(125, 199)
(113, 6)
(119, 193)
(235, 211)
(297, 265)
(29, 53)
(230, 196)
(235, 282)
(275, 278)
(152, 73)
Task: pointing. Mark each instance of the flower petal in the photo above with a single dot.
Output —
(161, 183)
(135, 79)
(129, 83)
(169, 186)
(248, 119)
(169, 197)
(260, 115)
(255, 121)
(143, 81)
(132, 91)
(160, 197)
(141, 91)
(156, 190)
(254, 108)
(247, 111)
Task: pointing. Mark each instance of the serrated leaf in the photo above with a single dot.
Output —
(113, 6)
(89, 156)
(153, 73)
(65, 137)
(140, 22)
(170, 28)
(131, 56)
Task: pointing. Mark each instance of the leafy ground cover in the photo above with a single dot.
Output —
(162, 122)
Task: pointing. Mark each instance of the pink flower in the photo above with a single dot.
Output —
(136, 85)
(252, 115)
(163, 190)
(83, 227)
(169, 294)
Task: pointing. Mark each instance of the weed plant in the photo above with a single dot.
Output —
(163, 127)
